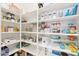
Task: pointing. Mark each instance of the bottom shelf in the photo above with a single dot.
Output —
(31, 49)
(41, 50)
(10, 49)
(57, 48)
(13, 51)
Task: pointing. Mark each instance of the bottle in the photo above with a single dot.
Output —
(54, 14)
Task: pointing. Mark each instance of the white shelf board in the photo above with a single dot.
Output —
(10, 21)
(31, 49)
(55, 47)
(29, 22)
(27, 32)
(58, 34)
(10, 43)
(13, 51)
(61, 40)
(10, 32)
(22, 40)
(64, 18)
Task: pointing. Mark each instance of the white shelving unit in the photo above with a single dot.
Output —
(9, 38)
(63, 20)
(29, 29)
(33, 21)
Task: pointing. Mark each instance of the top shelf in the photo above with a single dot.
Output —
(55, 6)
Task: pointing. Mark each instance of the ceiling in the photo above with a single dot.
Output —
(27, 7)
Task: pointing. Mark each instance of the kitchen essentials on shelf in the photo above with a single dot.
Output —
(57, 37)
(67, 13)
(55, 53)
(44, 27)
(56, 27)
(16, 29)
(34, 40)
(23, 44)
(73, 48)
(60, 13)
(62, 45)
(74, 9)
(24, 21)
(2, 28)
(7, 40)
(70, 29)
(40, 39)
(64, 54)
(54, 14)
(59, 53)
(4, 51)
(73, 29)
(71, 38)
(44, 40)
(65, 30)
(31, 27)
(18, 45)
(2, 43)
(24, 36)
(29, 37)
(10, 29)
(9, 16)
